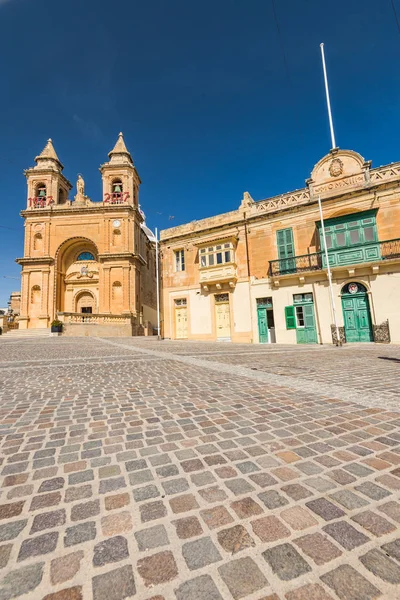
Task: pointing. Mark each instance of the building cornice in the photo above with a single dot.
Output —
(131, 256)
(272, 207)
(37, 260)
(79, 210)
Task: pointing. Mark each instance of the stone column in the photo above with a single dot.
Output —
(134, 279)
(28, 236)
(125, 290)
(104, 305)
(45, 293)
(44, 302)
(24, 314)
(47, 234)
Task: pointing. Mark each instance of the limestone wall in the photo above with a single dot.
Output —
(96, 330)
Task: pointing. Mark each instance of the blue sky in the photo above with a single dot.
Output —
(201, 92)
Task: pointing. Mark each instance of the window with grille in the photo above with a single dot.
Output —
(179, 260)
(221, 298)
(181, 302)
(219, 254)
(302, 298)
(85, 256)
(266, 302)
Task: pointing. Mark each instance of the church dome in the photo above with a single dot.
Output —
(148, 232)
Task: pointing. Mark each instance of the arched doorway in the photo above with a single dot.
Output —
(356, 313)
(77, 276)
(85, 302)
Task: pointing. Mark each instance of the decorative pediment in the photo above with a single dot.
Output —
(338, 171)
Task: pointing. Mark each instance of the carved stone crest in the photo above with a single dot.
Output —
(336, 167)
(85, 272)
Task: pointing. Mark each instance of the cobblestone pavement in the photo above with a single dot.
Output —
(186, 471)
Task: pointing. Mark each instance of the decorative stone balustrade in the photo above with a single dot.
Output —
(98, 319)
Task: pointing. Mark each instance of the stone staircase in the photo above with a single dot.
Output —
(26, 333)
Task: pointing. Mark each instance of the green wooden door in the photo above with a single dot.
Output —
(262, 325)
(306, 332)
(357, 318)
(284, 241)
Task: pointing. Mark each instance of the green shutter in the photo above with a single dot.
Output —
(290, 317)
(284, 241)
(309, 320)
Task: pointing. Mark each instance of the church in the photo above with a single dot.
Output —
(90, 264)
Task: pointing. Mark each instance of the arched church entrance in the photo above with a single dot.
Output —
(85, 303)
(77, 278)
(356, 313)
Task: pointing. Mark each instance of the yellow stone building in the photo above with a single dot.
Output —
(89, 264)
(258, 274)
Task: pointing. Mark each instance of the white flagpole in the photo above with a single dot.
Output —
(328, 102)
(338, 343)
(158, 288)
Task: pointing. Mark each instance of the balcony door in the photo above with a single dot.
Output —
(356, 313)
(284, 241)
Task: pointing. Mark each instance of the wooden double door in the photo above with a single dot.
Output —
(357, 317)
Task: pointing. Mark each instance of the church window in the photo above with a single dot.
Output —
(41, 190)
(117, 187)
(117, 191)
(40, 198)
(35, 294)
(85, 256)
(62, 196)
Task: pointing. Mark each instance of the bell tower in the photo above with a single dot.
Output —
(120, 179)
(46, 183)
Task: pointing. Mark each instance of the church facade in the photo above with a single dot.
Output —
(258, 274)
(89, 264)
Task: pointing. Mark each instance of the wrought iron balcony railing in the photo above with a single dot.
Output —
(370, 252)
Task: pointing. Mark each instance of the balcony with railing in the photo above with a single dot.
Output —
(40, 201)
(363, 253)
(116, 198)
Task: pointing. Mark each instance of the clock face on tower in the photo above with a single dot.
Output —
(116, 223)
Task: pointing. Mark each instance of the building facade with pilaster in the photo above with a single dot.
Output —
(259, 274)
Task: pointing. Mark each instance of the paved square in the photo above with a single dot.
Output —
(133, 468)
